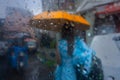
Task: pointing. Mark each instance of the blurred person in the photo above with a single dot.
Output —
(71, 50)
(15, 50)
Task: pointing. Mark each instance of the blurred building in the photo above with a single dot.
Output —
(86, 5)
(109, 15)
(89, 9)
(17, 21)
(68, 5)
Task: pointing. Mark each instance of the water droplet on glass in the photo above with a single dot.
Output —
(45, 25)
(70, 7)
(33, 22)
(51, 23)
(96, 28)
(33, 1)
(103, 31)
(94, 32)
(55, 26)
(72, 25)
(89, 34)
(20, 19)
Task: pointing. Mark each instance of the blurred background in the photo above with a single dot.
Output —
(103, 35)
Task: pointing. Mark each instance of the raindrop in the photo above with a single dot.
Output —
(89, 34)
(72, 25)
(95, 32)
(58, 23)
(26, 6)
(45, 31)
(70, 7)
(32, 22)
(96, 28)
(20, 19)
(55, 26)
(33, 1)
(32, 11)
(24, 24)
(103, 31)
(45, 25)
(51, 23)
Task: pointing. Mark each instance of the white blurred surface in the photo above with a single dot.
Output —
(107, 50)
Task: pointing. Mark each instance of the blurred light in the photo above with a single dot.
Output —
(89, 34)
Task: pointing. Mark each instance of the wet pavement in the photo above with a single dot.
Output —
(35, 71)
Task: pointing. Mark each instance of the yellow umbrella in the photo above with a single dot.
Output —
(54, 20)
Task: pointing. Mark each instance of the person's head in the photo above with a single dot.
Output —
(67, 31)
(68, 34)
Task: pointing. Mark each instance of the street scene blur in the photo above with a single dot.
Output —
(59, 39)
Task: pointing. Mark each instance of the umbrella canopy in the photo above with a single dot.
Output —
(56, 19)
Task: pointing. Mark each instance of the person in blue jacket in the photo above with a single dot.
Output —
(71, 50)
(14, 51)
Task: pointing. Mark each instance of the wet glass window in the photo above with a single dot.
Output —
(34, 42)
